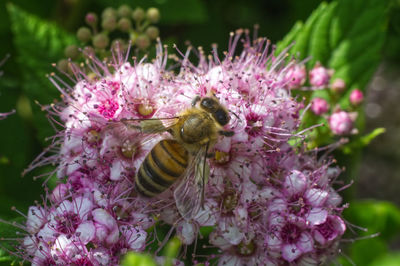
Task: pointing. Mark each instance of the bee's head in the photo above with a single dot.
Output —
(219, 113)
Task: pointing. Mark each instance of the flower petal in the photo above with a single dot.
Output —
(305, 243)
(290, 252)
(86, 231)
(295, 183)
(317, 216)
(316, 197)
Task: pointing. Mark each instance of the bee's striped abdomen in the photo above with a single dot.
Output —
(166, 162)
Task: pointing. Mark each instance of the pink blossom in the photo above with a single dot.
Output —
(267, 200)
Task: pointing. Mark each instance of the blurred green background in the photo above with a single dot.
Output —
(202, 22)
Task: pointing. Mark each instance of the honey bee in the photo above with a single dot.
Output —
(183, 157)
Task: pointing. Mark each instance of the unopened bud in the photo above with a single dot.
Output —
(71, 51)
(319, 106)
(142, 42)
(133, 37)
(91, 19)
(100, 41)
(296, 76)
(152, 32)
(124, 24)
(62, 65)
(118, 45)
(319, 76)
(138, 14)
(153, 15)
(338, 85)
(124, 11)
(356, 97)
(84, 34)
(109, 23)
(341, 123)
(109, 12)
(88, 51)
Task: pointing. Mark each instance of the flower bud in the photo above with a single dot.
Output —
(142, 42)
(124, 11)
(338, 85)
(118, 45)
(124, 24)
(319, 76)
(109, 12)
(152, 32)
(88, 51)
(319, 106)
(91, 19)
(153, 15)
(356, 97)
(138, 14)
(84, 34)
(133, 36)
(100, 41)
(340, 123)
(109, 23)
(71, 51)
(296, 76)
(62, 65)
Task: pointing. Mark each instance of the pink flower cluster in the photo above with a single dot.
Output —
(341, 122)
(269, 202)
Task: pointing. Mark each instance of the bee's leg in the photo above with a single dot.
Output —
(226, 133)
(195, 100)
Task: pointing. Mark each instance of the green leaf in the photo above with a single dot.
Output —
(382, 220)
(5, 257)
(302, 39)
(39, 43)
(389, 259)
(346, 36)
(290, 37)
(377, 216)
(172, 250)
(362, 252)
(363, 141)
(137, 259)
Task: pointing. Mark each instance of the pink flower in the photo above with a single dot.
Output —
(331, 229)
(267, 200)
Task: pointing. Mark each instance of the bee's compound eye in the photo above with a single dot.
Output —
(221, 116)
(207, 103)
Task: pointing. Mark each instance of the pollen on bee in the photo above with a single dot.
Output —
(221, 157)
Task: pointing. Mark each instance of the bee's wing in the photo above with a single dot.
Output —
(148, 129)
(147, 126)
(189, 195)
